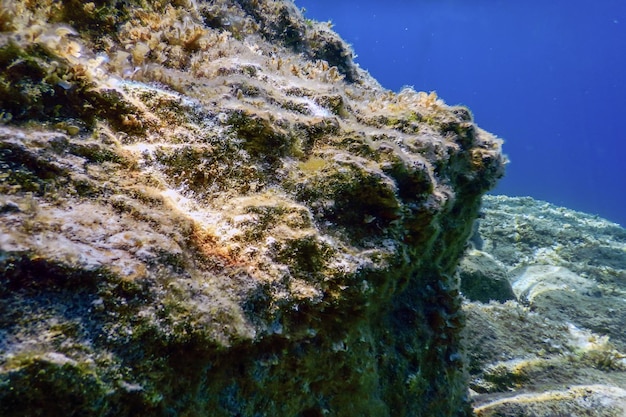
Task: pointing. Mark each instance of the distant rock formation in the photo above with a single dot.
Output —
(560, 350)
(206, 208)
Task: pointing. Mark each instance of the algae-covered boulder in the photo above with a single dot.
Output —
(208, 209)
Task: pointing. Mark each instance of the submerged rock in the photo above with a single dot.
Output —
(484, 279)
(560, 350)
(208, 209)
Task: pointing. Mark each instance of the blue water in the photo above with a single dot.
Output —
(549, 77)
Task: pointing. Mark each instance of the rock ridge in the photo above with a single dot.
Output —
(209, 209)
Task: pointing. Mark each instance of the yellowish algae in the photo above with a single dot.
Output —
(209, 209)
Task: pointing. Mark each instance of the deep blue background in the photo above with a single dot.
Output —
(549, 77)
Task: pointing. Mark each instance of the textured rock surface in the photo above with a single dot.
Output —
(484, 279)
(561, 350)
(208, 209)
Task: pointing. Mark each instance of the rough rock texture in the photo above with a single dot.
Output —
(208, 209)
(483, 278)
(560, 350)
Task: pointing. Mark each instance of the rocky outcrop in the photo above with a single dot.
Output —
(483, 278)
(560, 349)
(208, 209)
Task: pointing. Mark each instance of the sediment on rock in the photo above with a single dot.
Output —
(558, 347)
(208, 208)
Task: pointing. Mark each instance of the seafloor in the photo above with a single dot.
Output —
(554, 344)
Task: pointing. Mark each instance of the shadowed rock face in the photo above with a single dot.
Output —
(208, 209)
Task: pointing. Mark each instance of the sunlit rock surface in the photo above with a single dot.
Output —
(206, 208)
(560, 349)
